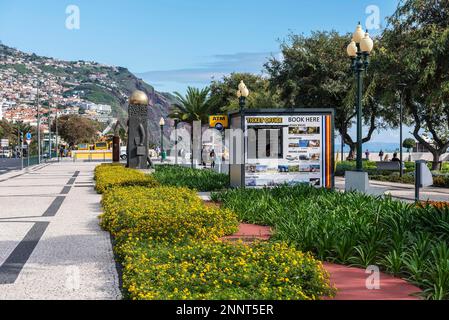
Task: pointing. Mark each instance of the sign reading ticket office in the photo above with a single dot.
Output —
(289, 149)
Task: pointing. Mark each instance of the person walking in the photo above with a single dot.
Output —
(381, 155)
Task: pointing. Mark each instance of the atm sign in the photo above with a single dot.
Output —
(219, 122)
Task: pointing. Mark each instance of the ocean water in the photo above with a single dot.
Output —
(373, 147)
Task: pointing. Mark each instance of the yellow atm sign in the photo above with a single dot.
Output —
(219, 122)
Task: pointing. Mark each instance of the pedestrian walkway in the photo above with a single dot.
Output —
(51, 245)
(401, 191)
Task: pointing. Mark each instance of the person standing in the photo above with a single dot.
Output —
(212, 158)
(367, 154)
(381, 155)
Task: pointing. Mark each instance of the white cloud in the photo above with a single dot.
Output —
(218, 66)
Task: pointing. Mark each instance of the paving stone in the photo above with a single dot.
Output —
(73, 257)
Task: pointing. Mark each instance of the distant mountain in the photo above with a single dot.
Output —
(90, 81)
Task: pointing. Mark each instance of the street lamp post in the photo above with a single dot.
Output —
(56, 129)
(359, 50)
(38, 126)
(162, 124)
(401, 116)
(176, 141)
(49, 134)
(242, 94)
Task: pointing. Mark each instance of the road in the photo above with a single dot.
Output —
(7, 165)
(51, 244)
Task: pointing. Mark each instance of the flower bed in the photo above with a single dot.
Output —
(201, 180)
(167, 242)
(436, 204)
(108, 176)
(165, 213)
(355, 229)
(217, 270)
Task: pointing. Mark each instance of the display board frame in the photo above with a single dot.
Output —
(240, 174)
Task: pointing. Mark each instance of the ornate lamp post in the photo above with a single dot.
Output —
(38, 124)
(401, 117)
(162, 124)
(242, 94)
(359, 50)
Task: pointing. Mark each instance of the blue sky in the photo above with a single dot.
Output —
(176, 43)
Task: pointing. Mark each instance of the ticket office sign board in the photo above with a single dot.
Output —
(295, 148)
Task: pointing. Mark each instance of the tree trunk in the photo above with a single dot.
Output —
(436, 160)
(352, 151)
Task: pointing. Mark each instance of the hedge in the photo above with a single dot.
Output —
(164, 213)
(215, 270)
(108, 176)
(201, 180)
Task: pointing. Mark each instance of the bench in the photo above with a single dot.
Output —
(388, 165)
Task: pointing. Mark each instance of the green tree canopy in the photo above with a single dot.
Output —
(416, 55)
(224, 93)
(409, 143)
(194, 106)
(315, 73)
(75, 129)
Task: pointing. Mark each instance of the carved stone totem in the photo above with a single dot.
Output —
(138, 142)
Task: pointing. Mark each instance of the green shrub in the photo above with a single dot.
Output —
(201, 180)
(221, 271)
(395, 177)
(441, 181)
(168, 213)
(353, 229)
(445, 167)
(343, 166)
(108, 176)
(370, 167)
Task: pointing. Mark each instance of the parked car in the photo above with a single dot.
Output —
(123, 153)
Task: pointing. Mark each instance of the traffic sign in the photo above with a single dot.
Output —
(28, 136)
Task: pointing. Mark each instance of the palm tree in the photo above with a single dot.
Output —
(194, 106)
